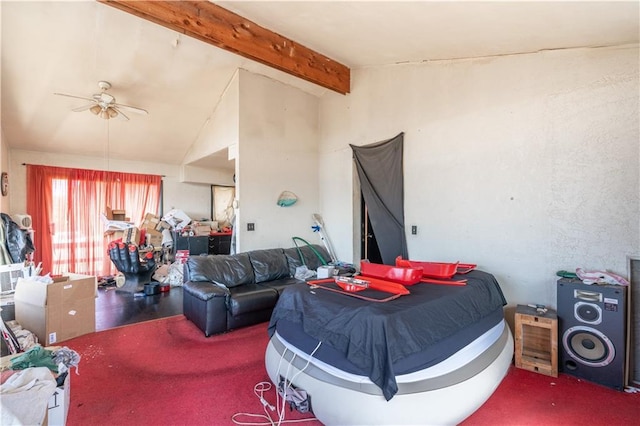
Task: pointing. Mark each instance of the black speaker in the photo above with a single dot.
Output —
(592, 331)
(633, 299)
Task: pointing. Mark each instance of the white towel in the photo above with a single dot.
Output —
(25, 396)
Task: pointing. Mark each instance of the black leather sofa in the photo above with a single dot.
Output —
(225, 292)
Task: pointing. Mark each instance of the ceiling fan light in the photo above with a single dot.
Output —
(95, 109)
(112, 112)
(104, 114)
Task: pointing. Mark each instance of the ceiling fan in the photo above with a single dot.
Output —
(104, 105)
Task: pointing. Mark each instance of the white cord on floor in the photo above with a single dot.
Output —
(261, 388)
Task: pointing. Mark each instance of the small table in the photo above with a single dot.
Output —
(536, 340)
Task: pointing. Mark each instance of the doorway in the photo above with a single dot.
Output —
(368, 243)
(380, 174)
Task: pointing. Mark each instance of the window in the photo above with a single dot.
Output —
(66, 207)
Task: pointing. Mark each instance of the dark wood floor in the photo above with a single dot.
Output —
(114, 309)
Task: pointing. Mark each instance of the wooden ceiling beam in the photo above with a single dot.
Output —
(222, 28)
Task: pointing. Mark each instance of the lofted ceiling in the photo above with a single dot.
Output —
(68, 46)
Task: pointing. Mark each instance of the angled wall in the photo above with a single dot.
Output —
(277, 151)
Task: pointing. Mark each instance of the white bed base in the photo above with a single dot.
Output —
(444, 394)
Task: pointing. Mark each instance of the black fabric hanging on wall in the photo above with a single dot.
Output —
(380, 170)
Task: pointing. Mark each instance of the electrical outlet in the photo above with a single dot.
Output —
(251, 226)
(414, 230)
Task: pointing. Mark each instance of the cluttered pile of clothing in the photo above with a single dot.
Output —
(29, 379)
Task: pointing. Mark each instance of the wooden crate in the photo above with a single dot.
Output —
(536, 340)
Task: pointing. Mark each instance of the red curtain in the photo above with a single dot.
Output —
(66, 207)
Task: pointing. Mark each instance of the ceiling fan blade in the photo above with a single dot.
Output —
(72, 96)
(132, 109)
(83, 108)
(121, 115)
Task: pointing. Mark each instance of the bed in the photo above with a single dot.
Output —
(430, 357)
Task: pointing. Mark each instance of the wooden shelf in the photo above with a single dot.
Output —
(536, 340)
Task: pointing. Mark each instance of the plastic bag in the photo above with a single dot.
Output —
(304, 273)
(175, 276)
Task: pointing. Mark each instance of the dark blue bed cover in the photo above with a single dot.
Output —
(376, 336)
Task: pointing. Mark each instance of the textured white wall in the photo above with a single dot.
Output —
(277, 151)
(524, 164)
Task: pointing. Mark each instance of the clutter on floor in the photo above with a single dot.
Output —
(150, 258)
(35, 382)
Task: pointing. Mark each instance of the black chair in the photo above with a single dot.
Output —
(136, 272)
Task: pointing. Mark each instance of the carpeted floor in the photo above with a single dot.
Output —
(165, 372)
(530, 399)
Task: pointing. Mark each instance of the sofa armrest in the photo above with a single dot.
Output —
(204, 290)
(205, 304)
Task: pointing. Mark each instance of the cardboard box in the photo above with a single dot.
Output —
(59, 404)
(162, 225)
(58, 311)
(119, 214)
(150, 221)
(161, 273)
(114, 214)
(129, 235)
(176, 218)
(202, 229)
(153, 237)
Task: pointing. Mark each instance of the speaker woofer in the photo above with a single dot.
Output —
(588, 346)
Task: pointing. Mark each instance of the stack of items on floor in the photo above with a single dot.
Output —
(154, 233)
(35, 385)
(34, 382)
(151, 268)
(150, 235)
(136, 252)
(16, 260)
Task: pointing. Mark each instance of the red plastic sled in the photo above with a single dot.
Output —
(430, 269)
(402, 275)
(383, 285)
(438, 270)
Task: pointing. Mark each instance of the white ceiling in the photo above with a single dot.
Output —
(63, 46)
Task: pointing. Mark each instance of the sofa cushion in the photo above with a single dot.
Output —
(281, 284)
(228, 270)
(269, 265)
(251, 298)
(311, 259)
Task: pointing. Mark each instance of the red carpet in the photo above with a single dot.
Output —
(166, 372)
(525, 398)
